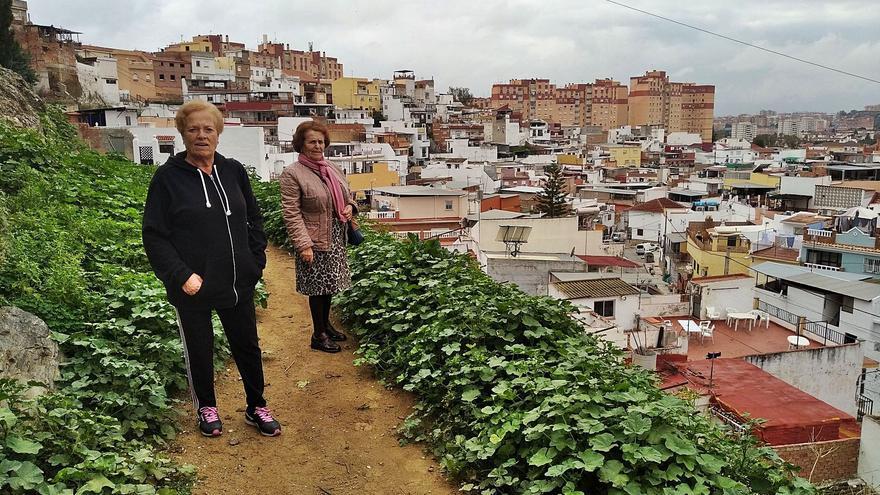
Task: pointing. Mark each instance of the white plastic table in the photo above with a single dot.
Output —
(796, 342)
(742, 316)
(691, 327)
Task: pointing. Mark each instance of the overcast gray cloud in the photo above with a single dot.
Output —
(479, 42)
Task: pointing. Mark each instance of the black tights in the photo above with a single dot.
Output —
(320, 307)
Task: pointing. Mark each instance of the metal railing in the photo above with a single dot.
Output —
(729, 419)
(866, 407)
(816, 266)
(779, 313)
(823, 331)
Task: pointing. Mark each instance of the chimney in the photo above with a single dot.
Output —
(227, 38)
(288, 46)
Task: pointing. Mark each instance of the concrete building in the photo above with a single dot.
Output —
(357, 93)
(688, 107)
(99, 82)
(609, 104)
(647, 221)
(602, 293)
(745, 131)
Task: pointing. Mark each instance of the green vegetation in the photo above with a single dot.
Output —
(11, 55)
(70, 252)
(514, 398)
(552, 201)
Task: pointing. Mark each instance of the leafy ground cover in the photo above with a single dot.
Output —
(514, 398)
(70, 252)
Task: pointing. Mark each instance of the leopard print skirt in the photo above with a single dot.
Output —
(328, 272)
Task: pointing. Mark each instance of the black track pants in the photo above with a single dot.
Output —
(240, 325)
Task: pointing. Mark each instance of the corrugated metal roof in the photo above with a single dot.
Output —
(845, 283)
(607, 287)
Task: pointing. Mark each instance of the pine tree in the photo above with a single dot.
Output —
(11, 55)
(552, 201)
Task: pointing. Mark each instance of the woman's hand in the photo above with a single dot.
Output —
(307, 255)
(193, 284)
(348, 212)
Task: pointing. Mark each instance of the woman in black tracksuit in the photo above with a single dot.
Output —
(203, 234)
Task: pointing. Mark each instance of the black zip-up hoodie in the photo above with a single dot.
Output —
(205, 224)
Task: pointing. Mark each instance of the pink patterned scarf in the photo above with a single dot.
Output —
(329, 177)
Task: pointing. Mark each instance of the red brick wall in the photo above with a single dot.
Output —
(841, 461)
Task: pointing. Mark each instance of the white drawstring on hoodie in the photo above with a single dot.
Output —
(227, 209)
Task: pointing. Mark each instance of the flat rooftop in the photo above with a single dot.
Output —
(790, 416)
(731, 342)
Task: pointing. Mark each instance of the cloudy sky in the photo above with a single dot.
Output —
(475, 43)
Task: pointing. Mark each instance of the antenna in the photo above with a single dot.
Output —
(513, 237)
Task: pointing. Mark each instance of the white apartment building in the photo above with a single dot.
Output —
(98, 79)
(745, 131)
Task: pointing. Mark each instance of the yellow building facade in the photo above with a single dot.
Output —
(625, 156)
(357, 92)
(719, 255)
(731, 180)
(379, 177)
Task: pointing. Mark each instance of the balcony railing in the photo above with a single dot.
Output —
(382, 215)
(816, 266)
(866, 407)
(820, 232)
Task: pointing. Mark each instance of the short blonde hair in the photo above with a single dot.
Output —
(193, 106)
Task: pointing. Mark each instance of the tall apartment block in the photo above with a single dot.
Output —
(677, 107)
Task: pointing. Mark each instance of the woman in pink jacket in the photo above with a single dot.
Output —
(316, 204)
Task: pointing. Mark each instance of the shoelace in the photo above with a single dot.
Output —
(264, 414)
(209, 414)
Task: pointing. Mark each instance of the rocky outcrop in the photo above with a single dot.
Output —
(18, 104)
(26, 352)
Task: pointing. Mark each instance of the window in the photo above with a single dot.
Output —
(127, 120)
(166, 148)
(640, 232)
(872, 265)
(161, 77)
(604, 308)
(186, 48)
(448, 204)
(173, 77)
(731, 241)
(198, 63)
(825, 258)
(182, 66)
(847, 304)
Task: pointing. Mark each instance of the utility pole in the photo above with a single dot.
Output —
(727, 261)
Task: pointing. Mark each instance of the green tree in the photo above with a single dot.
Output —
(553, 201)
(462, 95)
(791, 141)
(764, 140)
(11, 55)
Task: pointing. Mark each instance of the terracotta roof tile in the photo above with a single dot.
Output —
(658, 205)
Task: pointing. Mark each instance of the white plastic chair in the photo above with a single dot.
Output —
(762, 316)
(707, 332)
(712, 313)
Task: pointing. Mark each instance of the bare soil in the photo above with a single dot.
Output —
(338, 422)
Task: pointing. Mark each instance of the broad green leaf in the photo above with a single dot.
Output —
(22, 446)
(680, 445)
(611, 472)
(591, 460)
(96, 485)
(710, 463)
(470, 394)
(26, 477)
(542, 457)
(636, 424)
(602, 442)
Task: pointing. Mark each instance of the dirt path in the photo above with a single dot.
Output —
(338, 421)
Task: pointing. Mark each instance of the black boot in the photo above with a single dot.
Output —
(334, 334)
(322, 342)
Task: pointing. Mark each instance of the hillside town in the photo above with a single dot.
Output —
(665, 226)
